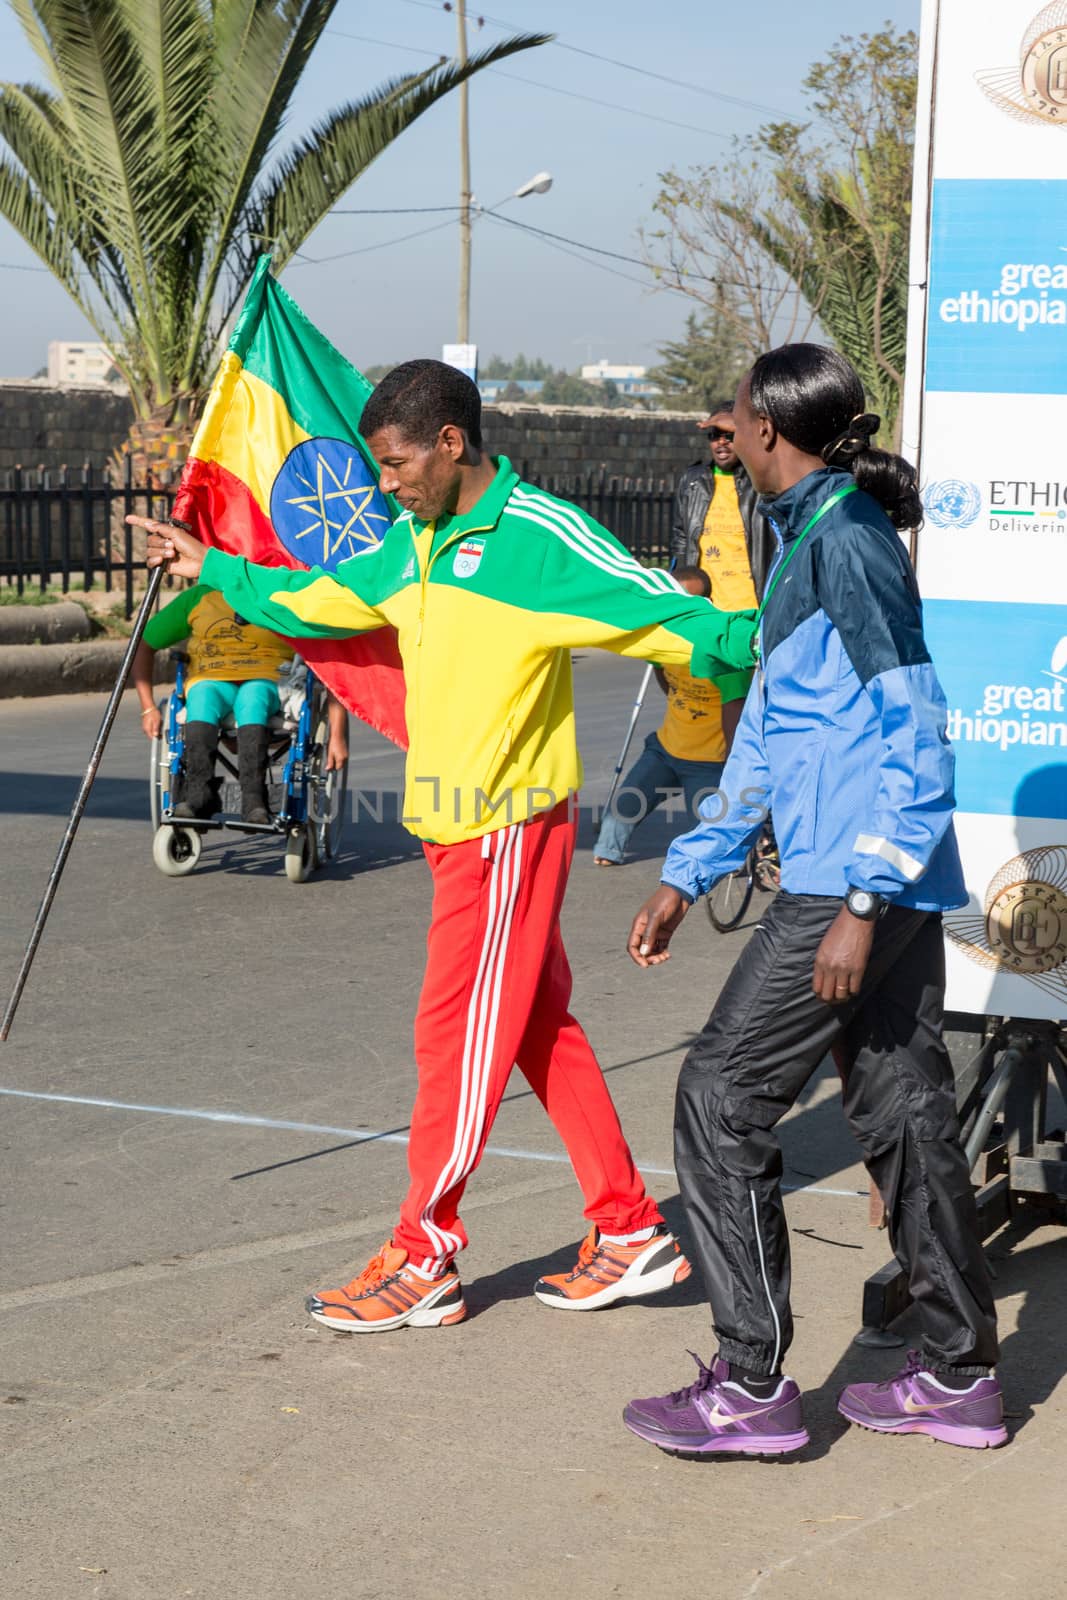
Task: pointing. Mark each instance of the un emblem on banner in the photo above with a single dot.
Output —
(1037, 88)
(952, 503)
(1023, 928)
(326, 505)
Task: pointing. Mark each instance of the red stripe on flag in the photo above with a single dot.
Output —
(365, 672)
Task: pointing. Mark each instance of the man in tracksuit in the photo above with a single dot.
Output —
(843, 738)
(490, 584)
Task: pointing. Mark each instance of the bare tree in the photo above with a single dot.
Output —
(803, 230)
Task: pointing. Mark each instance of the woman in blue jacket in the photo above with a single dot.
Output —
(843, 740)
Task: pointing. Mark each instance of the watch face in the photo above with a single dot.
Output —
(860, 902)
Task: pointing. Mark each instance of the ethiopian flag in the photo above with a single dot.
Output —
(278, 473)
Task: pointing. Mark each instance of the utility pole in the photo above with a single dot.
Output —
(464, 322)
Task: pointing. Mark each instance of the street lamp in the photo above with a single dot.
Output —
(540, 183)
(462, 353)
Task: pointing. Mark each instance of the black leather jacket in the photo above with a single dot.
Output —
(692, 498)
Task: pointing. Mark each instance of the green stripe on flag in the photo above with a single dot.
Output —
(323, 393)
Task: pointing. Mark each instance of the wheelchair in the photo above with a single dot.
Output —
(307, 801)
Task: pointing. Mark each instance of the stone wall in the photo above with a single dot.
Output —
(546, 440)
(45, 427)
(41, 426)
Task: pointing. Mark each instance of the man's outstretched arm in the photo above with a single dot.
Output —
(291, 601)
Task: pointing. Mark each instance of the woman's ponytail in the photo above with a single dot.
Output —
(887, 478)
(815, 400)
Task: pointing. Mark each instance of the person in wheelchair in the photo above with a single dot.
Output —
(233, 669)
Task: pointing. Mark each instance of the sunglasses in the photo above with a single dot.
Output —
(721, 433)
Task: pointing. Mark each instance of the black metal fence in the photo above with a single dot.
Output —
(65, 528)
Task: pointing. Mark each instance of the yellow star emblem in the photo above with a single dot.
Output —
(338, 511)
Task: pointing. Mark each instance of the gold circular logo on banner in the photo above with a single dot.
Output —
(1037, 89)
(1026, 926)
(1023, 925)
(1044, 74)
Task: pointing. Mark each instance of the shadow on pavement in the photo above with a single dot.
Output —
(51, 794)
(516, 1281)
(1033, 1357)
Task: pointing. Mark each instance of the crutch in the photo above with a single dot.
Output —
(638, 703)
(110, 713)
(636, 712)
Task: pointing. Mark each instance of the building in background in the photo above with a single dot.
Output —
(80, 365)
(492, 389)
(627, 380)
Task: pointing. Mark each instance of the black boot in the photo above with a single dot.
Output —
(199, 789)
(252, 772)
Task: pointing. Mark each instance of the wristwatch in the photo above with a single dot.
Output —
(865, 905)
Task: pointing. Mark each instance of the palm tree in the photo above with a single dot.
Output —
(849, 257)
(145, 174)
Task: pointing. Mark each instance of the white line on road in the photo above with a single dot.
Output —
(357, 1135)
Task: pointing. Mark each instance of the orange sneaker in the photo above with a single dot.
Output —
(608, 1272)
(387, 1294)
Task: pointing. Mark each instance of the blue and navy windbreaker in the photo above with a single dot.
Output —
(843, 732)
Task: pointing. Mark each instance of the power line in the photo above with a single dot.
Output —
(614, 255)
(612, 105)
(383, 244)
(551, 88)
(601, 266)
(680, 83)
(389, 211)
(628, 66)
(390, 44)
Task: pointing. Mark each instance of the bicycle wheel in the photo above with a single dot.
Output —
(728, 900)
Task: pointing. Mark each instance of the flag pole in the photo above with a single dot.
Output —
(77, 811)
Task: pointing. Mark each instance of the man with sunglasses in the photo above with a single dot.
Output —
(717, 527)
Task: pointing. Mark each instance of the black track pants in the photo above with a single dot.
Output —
(763, 1041)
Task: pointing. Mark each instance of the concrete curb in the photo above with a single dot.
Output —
(32, 670)
(61, 623)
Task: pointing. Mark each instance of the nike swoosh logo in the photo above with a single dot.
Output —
(916, 1408)
(717, 1418)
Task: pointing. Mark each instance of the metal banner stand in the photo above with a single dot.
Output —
(1015, 1159)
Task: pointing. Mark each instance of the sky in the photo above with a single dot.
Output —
(384, 298)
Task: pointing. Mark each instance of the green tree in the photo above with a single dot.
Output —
(147, 176)
(808, 229)
(702, 368)
(567, 389)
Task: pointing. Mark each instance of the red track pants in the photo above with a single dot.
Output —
(495, 994)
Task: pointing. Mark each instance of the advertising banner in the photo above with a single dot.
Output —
(986, 420)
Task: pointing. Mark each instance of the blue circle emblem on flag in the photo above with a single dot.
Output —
(326, 505)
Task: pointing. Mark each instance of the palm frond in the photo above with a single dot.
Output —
(31, 135)
(174, 44)
(314, 175)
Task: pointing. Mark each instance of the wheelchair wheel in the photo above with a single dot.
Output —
(328, 795)
(300, 855)
(176, 851)
(728, 901)
(158, 768)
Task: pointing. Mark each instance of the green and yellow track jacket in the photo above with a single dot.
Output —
(488, 606)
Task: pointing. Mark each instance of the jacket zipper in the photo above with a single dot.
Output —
(424, 581)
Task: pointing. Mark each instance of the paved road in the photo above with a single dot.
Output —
(174, 1418)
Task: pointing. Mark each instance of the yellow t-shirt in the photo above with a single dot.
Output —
(220, 645)
(692, 723)
(723, 551)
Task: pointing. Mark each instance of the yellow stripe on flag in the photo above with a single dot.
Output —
(246, 428)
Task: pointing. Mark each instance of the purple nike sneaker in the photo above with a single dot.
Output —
(717, 1417)
(914, 1402)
